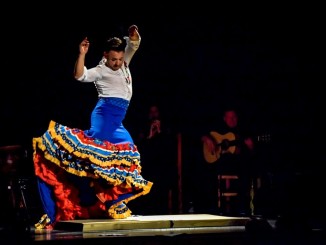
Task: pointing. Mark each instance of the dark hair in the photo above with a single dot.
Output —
(115, 44)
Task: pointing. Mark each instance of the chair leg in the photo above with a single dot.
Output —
(23, 209)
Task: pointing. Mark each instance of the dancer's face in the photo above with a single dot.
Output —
(114, 59)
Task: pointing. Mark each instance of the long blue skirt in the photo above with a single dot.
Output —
(89, 173)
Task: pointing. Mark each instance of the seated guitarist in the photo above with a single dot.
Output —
(229, 150)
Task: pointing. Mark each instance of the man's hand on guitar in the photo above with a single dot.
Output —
(249, 143)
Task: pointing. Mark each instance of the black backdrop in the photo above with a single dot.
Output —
(267, 61)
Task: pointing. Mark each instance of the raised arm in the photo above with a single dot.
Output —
(133, 33)
(80, 62)
(133, 42)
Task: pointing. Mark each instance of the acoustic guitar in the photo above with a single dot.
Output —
(225, 143)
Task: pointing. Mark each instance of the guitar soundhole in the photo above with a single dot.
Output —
(225, 144)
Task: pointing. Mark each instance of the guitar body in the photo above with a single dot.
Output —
(227, 143)
(224, 144)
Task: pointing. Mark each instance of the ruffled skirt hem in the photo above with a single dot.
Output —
(88, 177)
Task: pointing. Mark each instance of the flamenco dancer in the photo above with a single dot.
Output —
(93, 173)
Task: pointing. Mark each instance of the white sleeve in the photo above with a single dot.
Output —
(91, 75)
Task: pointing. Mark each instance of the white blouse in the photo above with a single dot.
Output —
(110, 83)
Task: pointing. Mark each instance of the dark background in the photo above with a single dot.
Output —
(193, 60)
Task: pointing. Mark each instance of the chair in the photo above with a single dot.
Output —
(227, 192)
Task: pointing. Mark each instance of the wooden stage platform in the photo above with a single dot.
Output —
(153, 222)
(189, 229)
(152, 229)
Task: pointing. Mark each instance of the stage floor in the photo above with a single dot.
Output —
(186, 228)
(153, 222)
(163, 229)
